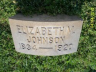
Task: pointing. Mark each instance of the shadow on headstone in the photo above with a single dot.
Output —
(46, 18)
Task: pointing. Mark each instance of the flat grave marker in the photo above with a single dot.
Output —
(46, 35)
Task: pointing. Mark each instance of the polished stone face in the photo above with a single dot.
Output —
(46, 35)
